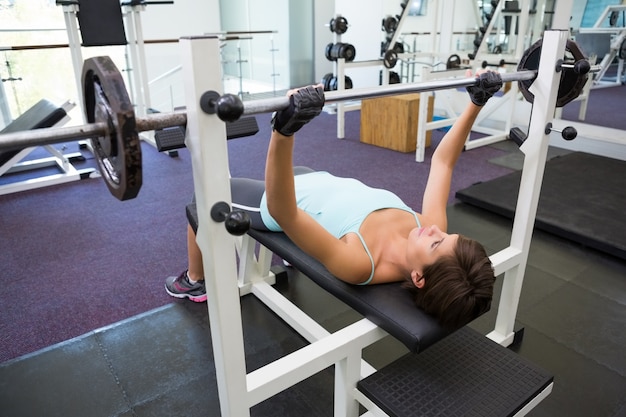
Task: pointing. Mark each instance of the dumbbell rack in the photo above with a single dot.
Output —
(340, 75)
(340, 65)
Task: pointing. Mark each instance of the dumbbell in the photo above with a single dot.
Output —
(329, 81)
(338, 25)
(340, 50)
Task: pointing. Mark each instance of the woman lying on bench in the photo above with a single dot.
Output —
(364, 235)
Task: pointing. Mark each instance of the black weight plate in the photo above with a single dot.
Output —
(326, 81)
(389, 24)
(348, 83)
(390, 59)
(454, 61)
(328, 52)
(332, 85)
(571, 84)
(347, 52)
(341, 25)
(119, 153)
(335, 51)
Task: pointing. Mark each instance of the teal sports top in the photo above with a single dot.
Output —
(339, 204)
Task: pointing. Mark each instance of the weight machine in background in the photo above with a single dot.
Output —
(617, 45)
(41, 115)
(505, 33)
(393, 53)
(107, 23)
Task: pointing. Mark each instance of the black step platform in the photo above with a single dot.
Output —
(171, 138)
(465, 374)
(582, 199)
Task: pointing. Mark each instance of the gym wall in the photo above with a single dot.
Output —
(184, 17)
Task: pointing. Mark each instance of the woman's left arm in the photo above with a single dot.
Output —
(446, 155)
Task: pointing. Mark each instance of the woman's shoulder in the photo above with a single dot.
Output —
(395, 217)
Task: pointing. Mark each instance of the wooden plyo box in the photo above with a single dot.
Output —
(391, 122)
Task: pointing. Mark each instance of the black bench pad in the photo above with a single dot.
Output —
(465, 374)
(389, 306)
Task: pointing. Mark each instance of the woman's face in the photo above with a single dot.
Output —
(426, 245)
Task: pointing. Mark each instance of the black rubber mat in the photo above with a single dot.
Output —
(466, 374)
(583, 198)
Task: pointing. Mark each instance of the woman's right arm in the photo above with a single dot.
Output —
(280, 194)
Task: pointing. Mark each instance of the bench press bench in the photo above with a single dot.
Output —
(438, 364)
(463, 373)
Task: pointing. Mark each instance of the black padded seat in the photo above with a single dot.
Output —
(41, 115)
(389, 306)
(465, 374)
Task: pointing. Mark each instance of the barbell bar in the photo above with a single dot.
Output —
(229, 107)
(224, 108)
(113, 127)
(49, 136)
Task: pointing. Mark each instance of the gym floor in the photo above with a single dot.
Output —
(160, 363)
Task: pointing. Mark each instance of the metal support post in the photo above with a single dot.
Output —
(75, 45)
(206, 140)
(137, 57)
(535, 149)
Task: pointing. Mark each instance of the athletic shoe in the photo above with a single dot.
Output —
(180, 287)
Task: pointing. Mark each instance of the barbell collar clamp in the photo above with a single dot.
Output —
(208, 101)
(219, 211)
(581, 66)
(568, 132)
(237, 222)
(228, 107)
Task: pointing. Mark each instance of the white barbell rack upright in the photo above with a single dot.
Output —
(206, 140)
(535, 149)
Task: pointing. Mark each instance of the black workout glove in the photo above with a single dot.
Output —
(487, 84)
(304, 105)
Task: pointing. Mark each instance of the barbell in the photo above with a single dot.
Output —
(114, 129)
